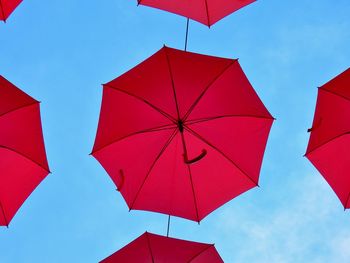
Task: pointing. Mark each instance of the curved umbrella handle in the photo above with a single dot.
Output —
(122, 180)
(196, 159)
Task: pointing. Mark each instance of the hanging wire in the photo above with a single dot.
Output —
(186, 38)
(167, 232)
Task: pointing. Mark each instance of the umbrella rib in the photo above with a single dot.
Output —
(18, 108)
(328, 141)
(207, 11)
(194, 193)
(334, 93)
(3, 211)
(220, 152)
(205, 90)
(347, 201)
(155, 129)
(200, 253)
(172, 82)
(143, 100)
(190, 173)
(26, 157)
(149, 247)
(152, 166)
(189, 122)
(2, 10)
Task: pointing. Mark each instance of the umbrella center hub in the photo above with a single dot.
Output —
(180, 124)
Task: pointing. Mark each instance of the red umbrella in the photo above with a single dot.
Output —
(23, 163)
(329, 144)
(7, 7)
(157, 249)
(182, 133)
(207, 12)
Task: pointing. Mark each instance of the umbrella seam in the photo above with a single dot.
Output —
(195, 121)
(172, 82)
(153, 164)
(149, 246)
(200, 253)
(347, 201)
(3, 212)
(165, 114)
(206, 89)
(18, 108)
(207, 11)
(2, 10)
(26, 157)
(155, 129)
(334, 93)
(194, 193)
(325, 143)
(190, 175)
(223, 154)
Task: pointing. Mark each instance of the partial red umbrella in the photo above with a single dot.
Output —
(157, 249)
(7, 7)
(207, 12)
(23, 163)
(329, 143)
(182, 133)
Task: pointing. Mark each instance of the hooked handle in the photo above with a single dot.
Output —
(196, 159)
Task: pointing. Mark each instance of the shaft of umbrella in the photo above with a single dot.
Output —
(186, 37)
(167, 232)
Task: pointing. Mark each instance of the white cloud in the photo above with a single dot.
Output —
(307, 227)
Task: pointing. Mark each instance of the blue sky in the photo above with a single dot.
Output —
(61, 51)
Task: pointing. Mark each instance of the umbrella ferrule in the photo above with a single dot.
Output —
(180, 124)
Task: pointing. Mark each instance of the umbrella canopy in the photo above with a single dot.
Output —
(23, 163)
(207, 12)
(7, 7)
(182, 133)
(158, 249)
(329, 144)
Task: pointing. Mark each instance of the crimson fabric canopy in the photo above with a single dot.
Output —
(23, 163)
(158, 249)
(182, 133)
(7, 7)
(207, 12)
(329, 144)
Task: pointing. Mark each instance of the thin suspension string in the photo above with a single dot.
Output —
(167, 232)
(186, 38)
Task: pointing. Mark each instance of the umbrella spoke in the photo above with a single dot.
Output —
(220, 152)
(200, 253)
(206, 89)
(155, 129)
(145, 101)
(3, 213)
(25, 156)
(172, 83)
(195, 121)
(149, 247)
(172, 136)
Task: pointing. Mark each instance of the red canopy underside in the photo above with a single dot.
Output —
(157, 249)
(141, 147)
(7, 7)
(207, 12)
(328, 147)
(23, 163)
